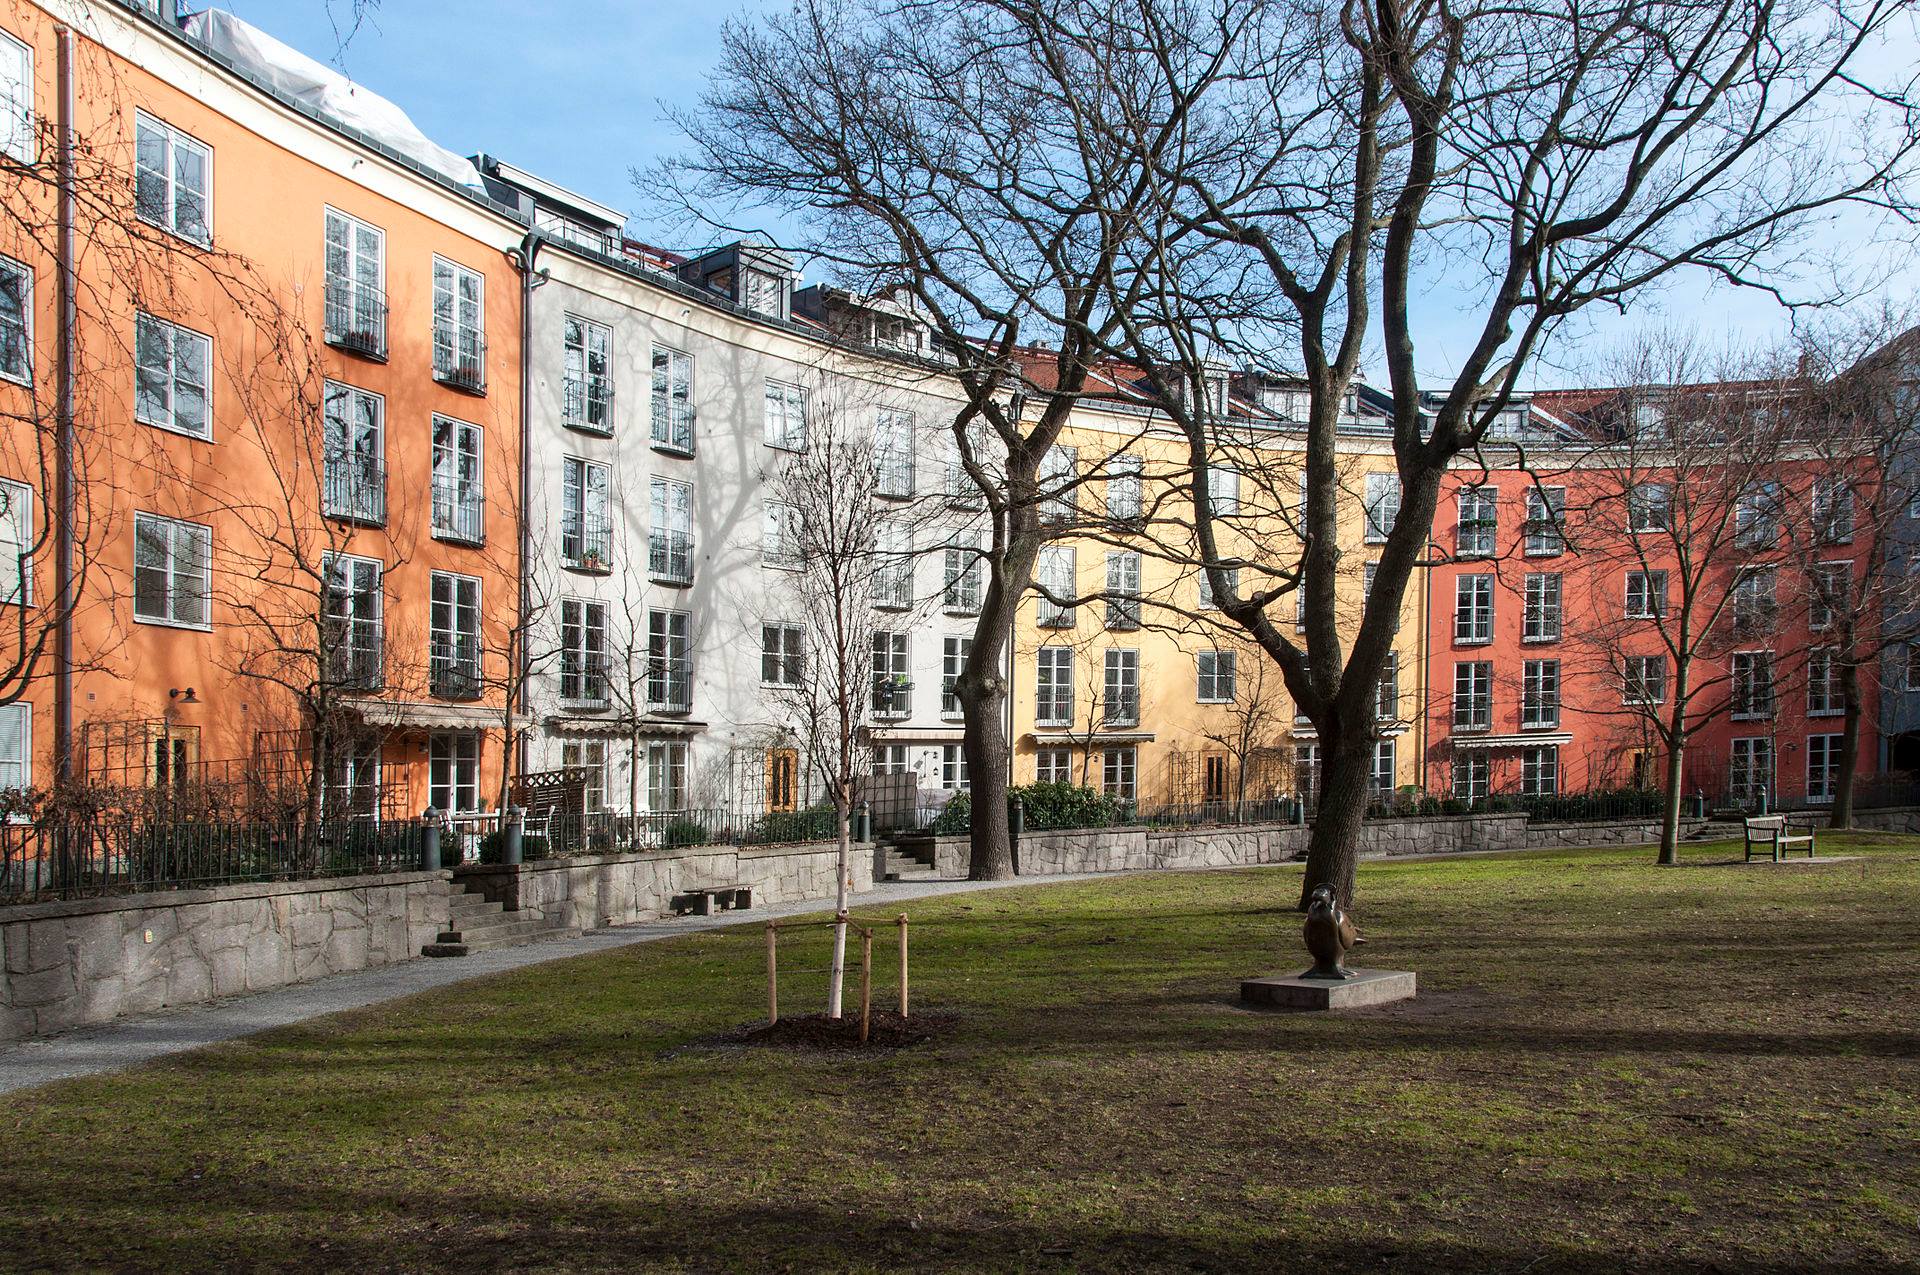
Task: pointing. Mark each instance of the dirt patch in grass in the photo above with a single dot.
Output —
(816, 1033)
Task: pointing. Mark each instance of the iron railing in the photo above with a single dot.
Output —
(355, 660)
(586, 542)
(356, 317)
(583, 679)
(460, 357)
(670, 556)
(356, 487)
(586, 403)
(459, 512)
(453, 670)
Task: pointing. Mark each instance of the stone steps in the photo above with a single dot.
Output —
(476, 924)
(907, 865)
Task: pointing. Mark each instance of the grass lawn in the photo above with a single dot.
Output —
(1611, 1065)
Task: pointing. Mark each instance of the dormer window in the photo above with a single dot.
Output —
(760, 292)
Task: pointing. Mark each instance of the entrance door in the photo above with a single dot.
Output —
(783, 780)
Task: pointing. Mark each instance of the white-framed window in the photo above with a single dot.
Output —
(954, 651)
(1823, 767)
(16, 321)
(892, 675)
(583, 650)
(16, 747)
(1053, 686)
(1123, 489)
(18, 136)
(1824, 695)
(780, 536)
(586, 527)
(961, 591)
(1380, 776)
(459, 326)
(356, 295)
(1123, 589)
(1754, 600)
(1118, 769)
(1832, 509)
(670, 531)
(890, 759)
(666, 775)
(1058, 479)
(1207, 602)
(1539, 694)
(1386, 694)
(1306, 771)
(1830, 594)
(355, 482)
(172, 376)
(1541, 617)
(1752, 685)
(353, 604)
(173, 179)
(459, 481)
(589, 757)
(1473, 610)
(1546, 532)
(786, 416)
(453, 771)
(16, 543)
(893, 450)
(1649, 507)
(1646, 595)
(1472, 775)
(962, 491)
(1479, 525)
(953, 768)
(783, 655)
(1053, 766)
(1750, 774)
(1756, 515)
(1121, 703)
(1473, 695)
(586, 388)
(672, 428)
(893, 567)
(453, 666)
(172, 572)
(1223, 489)
(669, 661)
(1216, 671)
(1540, 770)
(1644, 680)
(1382, 506)
(1056, 572)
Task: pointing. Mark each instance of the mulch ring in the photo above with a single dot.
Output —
(814, 1033)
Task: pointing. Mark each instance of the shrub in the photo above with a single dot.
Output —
(684, 832)
(493, 847)
(1047, 808)
(817, 824)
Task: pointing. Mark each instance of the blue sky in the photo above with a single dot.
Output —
(574, 91)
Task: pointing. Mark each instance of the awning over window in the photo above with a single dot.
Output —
(1532, 739)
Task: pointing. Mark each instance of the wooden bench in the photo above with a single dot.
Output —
(705, 900)
(1778, 835)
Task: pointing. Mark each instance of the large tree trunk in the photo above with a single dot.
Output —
(989, 774)
(1842, 814)
(1334, 849)
(1670, 813)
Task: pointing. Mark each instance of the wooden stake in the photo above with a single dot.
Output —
(903, 965)
(866, 984)
(773, 975)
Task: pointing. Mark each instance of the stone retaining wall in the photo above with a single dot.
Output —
(1893, 819)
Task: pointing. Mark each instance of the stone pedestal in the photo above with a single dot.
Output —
(1366, 987)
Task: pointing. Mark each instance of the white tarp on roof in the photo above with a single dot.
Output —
(328, 93)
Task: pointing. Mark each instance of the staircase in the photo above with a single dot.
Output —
(476, 925)
(908, 861)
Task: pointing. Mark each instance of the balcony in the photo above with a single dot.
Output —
(586, 542)
(460, 358)
(459, 512)
(354, 655)
(892, 698)
(670, 557)
(1122, 709)
(670, 685)
(1123, 613)
(356, 318)
(1473, 713)
(586, 404)
(454, 668)
(355, 488)
(583, 680)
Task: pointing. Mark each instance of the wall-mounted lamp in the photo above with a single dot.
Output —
(185, 697)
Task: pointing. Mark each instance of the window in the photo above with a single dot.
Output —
(1649, 507)
(1057, 479)
(669, 662)
(586, 390)
(953, 659)
(1824, 695)
(588, 756)
(1832, 510)
(893, 454)
(667, 776)
(1380, 776)
(893, 567)
(16, 543)
(1216, 669)
(892, 682)
(1223, 489)
(356, 302)
(1055, 573)
(1382, 506)
(672, 400)
(1122, 699)
(1752, 685)
(1123, 590)
(964, 568)
(1546, 521)
(586, 532)
(16, 314)
(1053, 766)
(172, 370)
(890, 759)
(459, 482)
(583, 651)
(1117, 769)
(1753, 600)
(961, 490)
(1646, 595)
(453, 771)
(459, 327)
(1756, 516)
(1540, 695)
(1053, 686)
(1541, 620)
(1750, 778)
(1823, 767)
(1645, 681)
(1472, 775)
(173, 179)
(953, 768)
(352, 779)
(356, 450)
(761, 291)
(1540, 771)
(1473, 610)
(670, 531)
(1479, 522)
(1306, 771)
(1123, 489)
(17, 136)
(1829, 598)
(1386, 694)
(780, 536)
(172, 571)
(1207, 601)
(353, 604)
(454, 637)
(1473, 695)
(786, 416)
(783, 655)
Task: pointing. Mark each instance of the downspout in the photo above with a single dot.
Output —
(66, 375)
(522, 259)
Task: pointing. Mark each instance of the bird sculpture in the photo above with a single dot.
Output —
(1329, 933)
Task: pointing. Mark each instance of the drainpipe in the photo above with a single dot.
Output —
(522, 259)
(66, 375)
